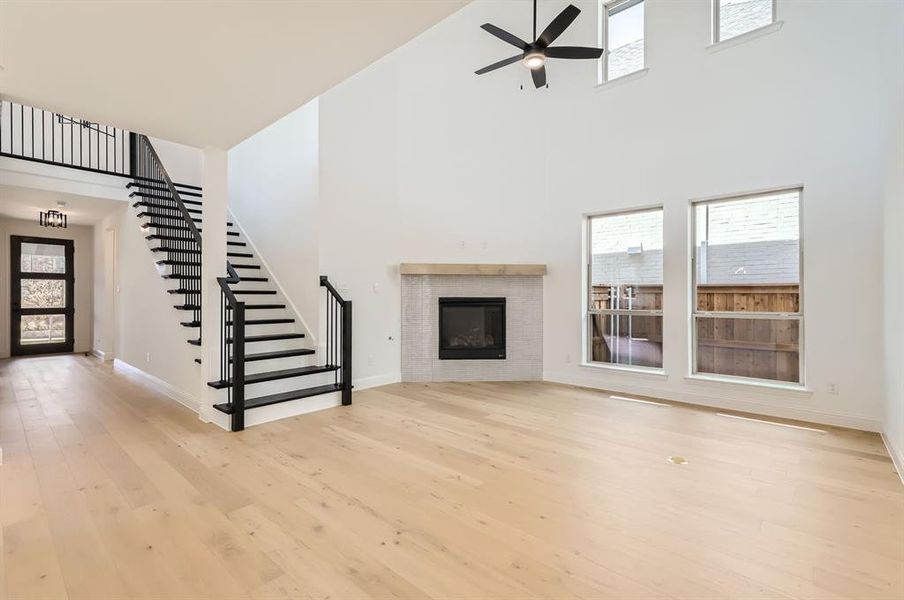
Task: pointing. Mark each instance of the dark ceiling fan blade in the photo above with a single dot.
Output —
(505, 36)
(539, 76)
(559, 24)
(497, 65)
(573, 52)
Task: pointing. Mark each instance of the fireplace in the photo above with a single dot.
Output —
(471, 328)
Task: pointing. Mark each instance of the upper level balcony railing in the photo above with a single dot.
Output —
(48, 137)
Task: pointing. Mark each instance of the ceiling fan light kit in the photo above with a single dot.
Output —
(533, 55)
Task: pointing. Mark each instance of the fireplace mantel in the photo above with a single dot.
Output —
(471, 269)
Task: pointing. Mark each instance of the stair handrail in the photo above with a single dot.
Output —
(232, 356)
(338, 346)
(143, 139)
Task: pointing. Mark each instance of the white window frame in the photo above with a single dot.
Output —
(607, 9)
(588, 293)
(798, 316)
(716, 22)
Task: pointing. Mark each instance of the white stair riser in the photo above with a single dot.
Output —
(253, 285)
(276, 364)
(273, 346)
(278, 386)
(270, 313)
(268, 329)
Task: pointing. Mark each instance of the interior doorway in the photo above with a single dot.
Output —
(41, 295)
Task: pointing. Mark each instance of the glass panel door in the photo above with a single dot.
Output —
(41, 295)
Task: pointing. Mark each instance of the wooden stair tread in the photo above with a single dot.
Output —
(278, 354)
(282, 397)
(265, 321)
(269, 337)
(275, 375)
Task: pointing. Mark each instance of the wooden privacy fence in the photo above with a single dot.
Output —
(747, 347)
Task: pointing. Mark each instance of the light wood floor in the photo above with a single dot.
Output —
(502, 490)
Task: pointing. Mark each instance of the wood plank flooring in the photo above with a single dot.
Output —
(484, 490)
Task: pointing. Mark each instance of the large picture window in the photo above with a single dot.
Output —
(624, 275)
(747, 311)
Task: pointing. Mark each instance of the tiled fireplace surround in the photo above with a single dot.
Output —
(422, 286)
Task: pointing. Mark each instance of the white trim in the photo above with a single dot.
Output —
(59, 178)
(694, 314)
(606, 9)
(98, 353)
(769, 422)
(760, 383)
(648, 371)
(155, 382)
(628, 210)
(587, 285)
(611, 83)
(639, 401)
(375, 381)
(897, 457)
(292, 408)
(260, 257)
(745, 37)
(719, 401)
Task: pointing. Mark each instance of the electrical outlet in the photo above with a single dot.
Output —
(376, 288)
(370, 360)
(833, 388)
(568, 358)
(147, 357)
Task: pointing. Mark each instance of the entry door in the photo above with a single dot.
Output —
(41, 293)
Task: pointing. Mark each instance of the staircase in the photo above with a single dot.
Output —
(264, 359)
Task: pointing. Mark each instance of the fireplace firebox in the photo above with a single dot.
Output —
(472, 328)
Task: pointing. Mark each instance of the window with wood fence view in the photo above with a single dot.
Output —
(625, 304)
(747, 318)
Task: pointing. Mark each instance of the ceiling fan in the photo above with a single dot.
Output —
(534, 55)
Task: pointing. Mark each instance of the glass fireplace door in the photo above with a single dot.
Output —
(41, 295)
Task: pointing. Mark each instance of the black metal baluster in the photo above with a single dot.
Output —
(346, 352)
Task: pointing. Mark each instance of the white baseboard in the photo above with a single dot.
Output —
(897, 457)
(722, 402)
(161, 386)
(293, 408)
(101, 355)
(376, 380)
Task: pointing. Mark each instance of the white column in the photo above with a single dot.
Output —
(213, 265)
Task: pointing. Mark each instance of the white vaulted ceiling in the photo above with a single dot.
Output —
(200, 73)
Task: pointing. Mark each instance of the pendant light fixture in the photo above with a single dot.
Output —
(54, 218)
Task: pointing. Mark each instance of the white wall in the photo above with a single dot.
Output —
(184, 164)
(148, 334)
(894, 295)
(273, 192)
(420, 160)
(893, 219)
(83, 255)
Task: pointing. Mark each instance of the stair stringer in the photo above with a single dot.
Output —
(302, 325)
